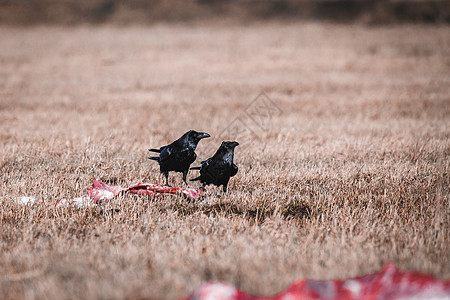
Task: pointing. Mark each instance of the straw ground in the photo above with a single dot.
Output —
(352, 171)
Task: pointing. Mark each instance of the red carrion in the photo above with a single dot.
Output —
(100, 191)
(389, 284)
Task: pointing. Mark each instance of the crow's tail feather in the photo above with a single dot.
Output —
(195, 179)
(155, 158)
(155, 150)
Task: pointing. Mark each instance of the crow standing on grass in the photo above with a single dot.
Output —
(179, 155)
(218, 169)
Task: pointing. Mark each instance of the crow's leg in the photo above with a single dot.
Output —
(184, 177)
(167, 178)
(225, 184)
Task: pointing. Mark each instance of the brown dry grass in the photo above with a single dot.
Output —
(354, 173)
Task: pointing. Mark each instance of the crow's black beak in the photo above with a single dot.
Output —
(203, 135)
(234, 144)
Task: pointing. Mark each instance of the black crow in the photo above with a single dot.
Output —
(218, 169)
(179, 155)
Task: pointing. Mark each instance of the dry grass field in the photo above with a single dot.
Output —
(350, 170)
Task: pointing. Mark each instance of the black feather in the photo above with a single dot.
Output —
(220, 168)
(179, 155)
(196, 178)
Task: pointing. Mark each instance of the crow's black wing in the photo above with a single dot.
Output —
(233, 170)
(212, 170)
(165, 153)
(185, 155)
(177, 158)
(207, 162)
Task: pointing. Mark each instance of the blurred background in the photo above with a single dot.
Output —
(30, 12)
